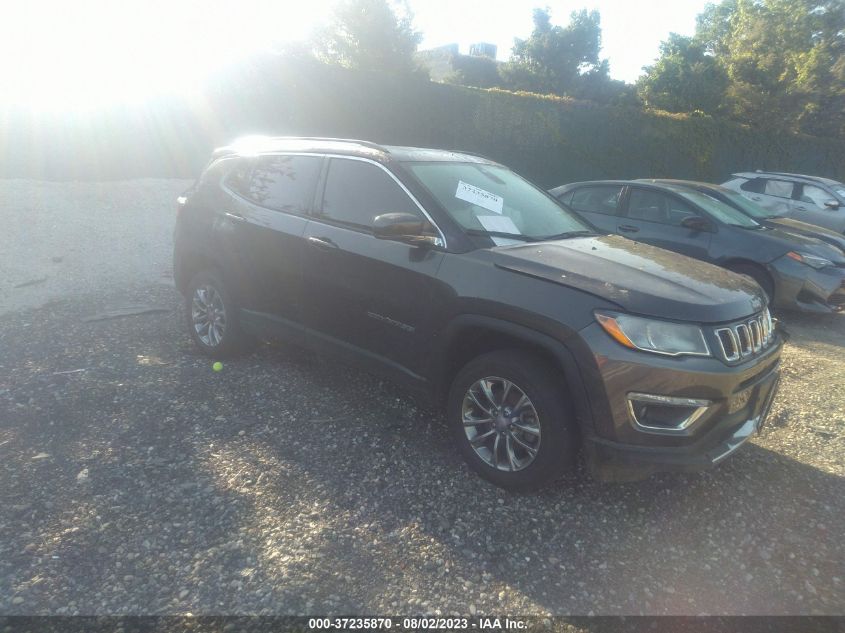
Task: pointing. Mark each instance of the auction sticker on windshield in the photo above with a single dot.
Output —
(479, 197)
(498, 223)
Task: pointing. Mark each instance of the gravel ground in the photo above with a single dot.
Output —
(286, 484)
(67, 238)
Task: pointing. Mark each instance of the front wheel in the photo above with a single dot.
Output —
(213, 317)
(511, 420)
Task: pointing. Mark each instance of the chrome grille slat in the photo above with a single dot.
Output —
(756, 340)
(745, 338)
(727, 340)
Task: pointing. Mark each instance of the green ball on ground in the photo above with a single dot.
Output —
(217, 366)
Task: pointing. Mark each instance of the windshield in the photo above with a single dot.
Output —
(719, 210)
(493, 200)
(746, 206)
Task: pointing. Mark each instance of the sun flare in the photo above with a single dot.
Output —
(57, 55)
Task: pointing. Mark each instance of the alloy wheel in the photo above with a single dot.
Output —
(501, 424)
(208, 315)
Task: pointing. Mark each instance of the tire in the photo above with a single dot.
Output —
(555, 447)
(759, 275)
(231, 340)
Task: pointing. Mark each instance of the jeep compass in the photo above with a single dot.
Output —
(451, 274)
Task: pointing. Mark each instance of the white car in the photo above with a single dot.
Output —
(819, 201)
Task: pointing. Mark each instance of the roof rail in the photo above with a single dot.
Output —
(791, 175)
(369, 144)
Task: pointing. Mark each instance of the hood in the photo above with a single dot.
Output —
(782, 240)
(788, 225)
(641, 279)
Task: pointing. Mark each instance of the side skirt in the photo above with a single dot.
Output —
(268, 326)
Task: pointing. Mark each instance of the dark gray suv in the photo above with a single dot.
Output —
(449, 273)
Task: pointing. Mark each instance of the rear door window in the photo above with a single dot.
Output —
(779, 188)
(284, 183)
(654, 206)
(603, 199)
(356, 192)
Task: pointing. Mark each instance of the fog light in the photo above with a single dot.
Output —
(664, 414)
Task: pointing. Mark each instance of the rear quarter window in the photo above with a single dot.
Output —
(734, 183)
(566, 198)
(602, 199)
(755, 185)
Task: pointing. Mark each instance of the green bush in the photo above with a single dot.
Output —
(551, 140)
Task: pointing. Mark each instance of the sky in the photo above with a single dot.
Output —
(56, 54)
(631, 29)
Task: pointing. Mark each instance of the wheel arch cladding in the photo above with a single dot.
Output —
(469, 336)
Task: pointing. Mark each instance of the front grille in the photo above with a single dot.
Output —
(746, 338)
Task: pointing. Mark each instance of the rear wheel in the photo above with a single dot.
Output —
(511, 420)
(213, 317)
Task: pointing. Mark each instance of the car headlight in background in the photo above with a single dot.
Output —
(652, 335)
(813, 261)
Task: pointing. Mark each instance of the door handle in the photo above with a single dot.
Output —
(234, 217)
(756, 198)
(800, 208)
(627, 228)
(323, 243)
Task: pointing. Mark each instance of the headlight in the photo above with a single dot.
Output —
(811, 260)
(652, 335)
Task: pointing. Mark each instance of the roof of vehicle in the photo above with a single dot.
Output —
(787, 176)
(677, 186)
(690, 184)
(253, 145)
(570, 185)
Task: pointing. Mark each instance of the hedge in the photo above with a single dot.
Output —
(551, 140)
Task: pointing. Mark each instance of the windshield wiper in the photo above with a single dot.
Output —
(568, 234)
(511, 236)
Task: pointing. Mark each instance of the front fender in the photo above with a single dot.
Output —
(569, 351)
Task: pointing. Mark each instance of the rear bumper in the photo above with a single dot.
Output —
(800, 287)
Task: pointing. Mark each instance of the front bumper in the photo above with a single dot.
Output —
(618, 449)
(800, 287)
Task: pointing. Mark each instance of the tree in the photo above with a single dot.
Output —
(783, 60)
(369, 35)
(597, 86)
(473, 70)
(553, 58)
(684, 78)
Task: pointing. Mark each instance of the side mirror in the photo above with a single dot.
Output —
(404, 227)
(696, 223)
(831, 204)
